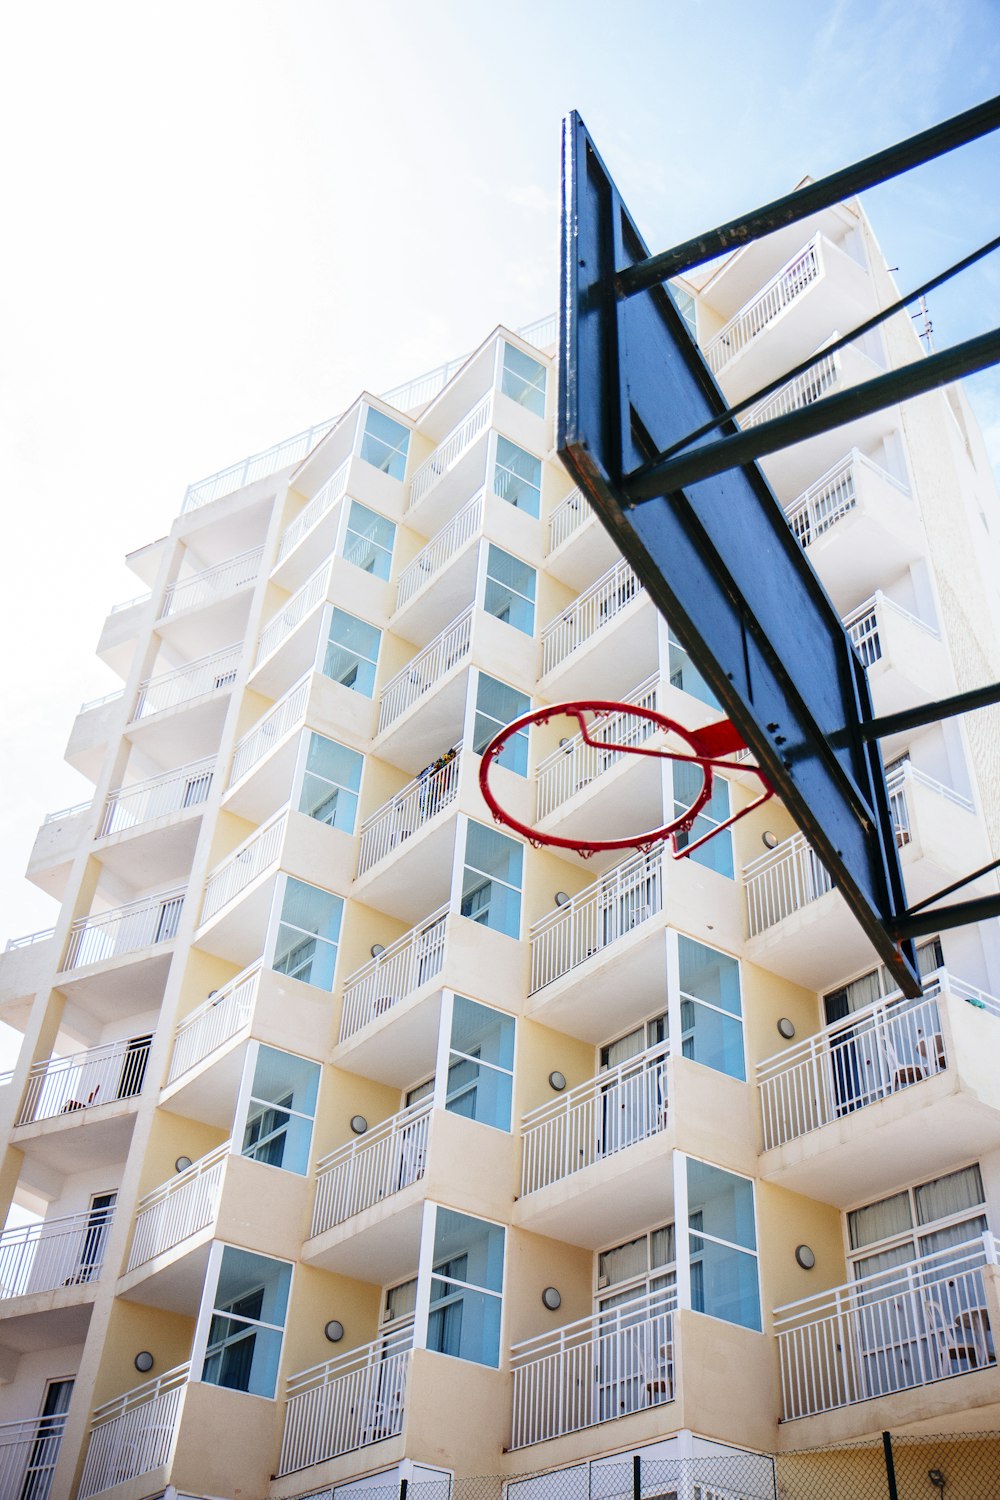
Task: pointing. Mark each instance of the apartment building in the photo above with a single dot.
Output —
(368, 1142)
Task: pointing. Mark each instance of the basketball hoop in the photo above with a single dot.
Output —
(711, 748)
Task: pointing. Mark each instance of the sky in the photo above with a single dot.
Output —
(223, 220)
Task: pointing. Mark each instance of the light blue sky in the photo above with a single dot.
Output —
(226, 217)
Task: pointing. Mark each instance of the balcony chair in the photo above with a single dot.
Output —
(72, 1105)
(902, 1073)
(952, 1342)
(657, 1373)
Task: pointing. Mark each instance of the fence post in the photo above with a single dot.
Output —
(890, 1467)
(403, 1486)
(636, 1477)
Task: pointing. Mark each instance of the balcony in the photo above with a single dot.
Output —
(56, 845)
(178, 1209)
(85, 1080)
(399, 971)
(349, 1402)
(381, 1162)
(238, 870)
(617, 1362)
(179, 714)
(124, 930)
(318, 521)
(442, 553)
(153, 824)
(197, 679)
(97, 722)
(907, 660)
(455, 470)
(409, 810)
(134, 1434)
(881, 1068)
(28, 1453)
(425, 670)
(214, 1023)
(894, 1331)
(53, 1254)
(25, 968)
(584, 647)
(858, 526)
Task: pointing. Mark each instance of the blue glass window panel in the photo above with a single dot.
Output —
(330, 783)
(721, 1204)
(523, 380)
(281, 1110)
(685, 675)
(724, 1283)
(710, 1038)
(510, 590)
(465, 1301)
(709, 975)
(491, 885)
(517, 477)
(480, 1082)
(308, 932)
(352, 652)
(717, 854)
(243, 1352)
(369, 540)
(496, 705)
(384, 443)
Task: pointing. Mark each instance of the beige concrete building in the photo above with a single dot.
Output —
(370, 1143)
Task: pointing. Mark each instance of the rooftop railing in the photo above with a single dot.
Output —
(597, 1119)
(28, 1454)
(862, 625)
(569, 515)
(54, 1253)
(83, 1080)
(291, 450)
(833, 496)
(450, 450)
(594, 609)
(324, 500)
(348, 1402)
(598, 916)
(177, 1209)
(134, 1433)
(631, 1349)
(886, 1332)
(124, 930)
(30, 938)
(212, 583)
(782, 881)
(402, 967)
(68, 812)
(100, 702)
(117, 609)
(215, 1022)
(241, 867)
(425, 669)
(575, 764)
(144, 801)
(196, 679)
(381, 1162)
(780, 292)
(409, 810)
(802, 391)
(440, 550)
(293, 613)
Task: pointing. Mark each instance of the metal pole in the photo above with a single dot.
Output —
(890, 1467)
(636, 1477)
(959, 914)
(793, 207)
(929, 713)
(662, 478)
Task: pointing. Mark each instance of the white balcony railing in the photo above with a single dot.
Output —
(134, 1433)
(29, 939)
(890, 1331)
(425, 669)
(782, 881)
(349, 1402)
(238, 869)
(291, 615)
(589, 613)
(802, 391)
(833, 495)
(782, 290)
(197, 679)
(403, 967)
(323, 501)
(574, 765)
(616, 903)
(125, 929)
(212, 583)
(381, 1162)
(418, 802)
(290, 450)
(178, 1208)
(569, 515)
(216, 1021)
(131, 806)
(862, 625)
(117, 609)
(439, 551)
(597, 1119)
(617, 1361)
(869, 1055)
(68, 812)
(28, 1454)
(286, 714)
(83, 1080)
(448, 452)
(53, 1253)
(899, 779)
(90, 703)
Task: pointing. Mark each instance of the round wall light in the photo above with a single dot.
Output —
(334, 1330)
(557, 1081)
(359, 1124)
(805, 1256)
(769, 840)
(561, 898)
(182, 1163)
(143, 1361)
(552, 1298)
(786, 1028)
(376, 950)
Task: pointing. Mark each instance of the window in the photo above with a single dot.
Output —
(637, 1288)
(497, 705)
(717, 854)
(633, 1102)
(330, 783)
(351, 652)
(711, 1008)
(510, 590)
(248, 1322)
(877, 984)
(685, 675)
(523, 380)
(384, 443)
(466, 1288)
(480, 1064)
(369, 539)
(685, 305)
(722, 1244)
(306, 945)
(280, 1109)
(517, 477)
(491, 882)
